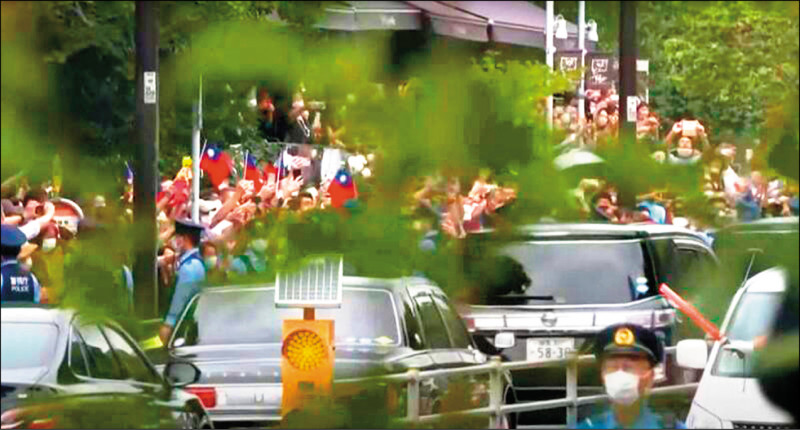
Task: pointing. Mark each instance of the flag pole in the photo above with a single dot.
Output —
(278, 182)
(244, 167)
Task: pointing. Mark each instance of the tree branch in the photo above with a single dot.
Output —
(77, 9)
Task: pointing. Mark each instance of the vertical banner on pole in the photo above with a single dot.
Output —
(643, 80)
(150, 88)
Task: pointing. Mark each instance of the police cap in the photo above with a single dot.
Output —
(620, 339)
(12, 239)
(187, 227)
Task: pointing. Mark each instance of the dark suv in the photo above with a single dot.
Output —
(548, 288)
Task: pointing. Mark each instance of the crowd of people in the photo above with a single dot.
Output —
(735, 187)
(314, 170)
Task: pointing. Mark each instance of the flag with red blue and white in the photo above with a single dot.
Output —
(217, 164)
(342, 188)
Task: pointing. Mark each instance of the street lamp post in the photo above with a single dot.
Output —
(550, 52)
(582, 48)
(198, 126)
(627, 71)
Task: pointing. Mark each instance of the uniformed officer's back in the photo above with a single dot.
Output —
(627, 355)
(17, 283)
(190, 276)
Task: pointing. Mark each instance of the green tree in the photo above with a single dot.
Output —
(90, 49)
(724, 62)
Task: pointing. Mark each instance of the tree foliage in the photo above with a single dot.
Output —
(723, 62)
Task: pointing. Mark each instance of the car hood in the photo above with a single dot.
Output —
(737, 400)
(650, 312)
(261, 364)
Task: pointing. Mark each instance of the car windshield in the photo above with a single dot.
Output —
(250, 316)
(39, 340)
(752, 319)
(569, 272)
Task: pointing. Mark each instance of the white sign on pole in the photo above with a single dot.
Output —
(643, 66)
(633, 102)
(150, 88)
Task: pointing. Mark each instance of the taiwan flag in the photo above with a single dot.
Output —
(342, 189)
(251, 172)
(217, 164)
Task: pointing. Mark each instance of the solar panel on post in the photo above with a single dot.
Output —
(307, 354)
(317, 284)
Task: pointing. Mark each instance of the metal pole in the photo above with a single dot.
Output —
(147, 31)
(550, 52)
(582, 48)
(627, 72)
(572, 393)
(198, 125)
(413, 395)
(496, 392)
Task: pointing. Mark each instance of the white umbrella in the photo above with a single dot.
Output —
(575, 158)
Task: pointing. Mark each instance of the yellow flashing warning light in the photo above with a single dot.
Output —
(305, 350)
(307, 359)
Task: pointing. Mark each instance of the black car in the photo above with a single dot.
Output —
(547, 289)
(234, 334)
(63, 370)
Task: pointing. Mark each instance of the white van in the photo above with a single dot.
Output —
(729, 396)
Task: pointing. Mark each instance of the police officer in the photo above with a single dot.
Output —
(627, 355)
(17, 284)
(191, 272)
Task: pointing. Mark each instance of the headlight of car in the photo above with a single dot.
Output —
(700, 418)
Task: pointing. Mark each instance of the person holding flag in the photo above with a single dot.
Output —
(342, 188)
(217, 164)
(252, 173)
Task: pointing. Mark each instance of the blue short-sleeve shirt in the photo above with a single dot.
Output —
(647, 420)
(190, 278)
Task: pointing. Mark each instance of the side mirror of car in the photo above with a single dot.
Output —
(692, 354)
(181, 374)
(741, 348)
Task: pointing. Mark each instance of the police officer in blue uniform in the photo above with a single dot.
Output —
(627, 355)
(17, 284)
(191, 273)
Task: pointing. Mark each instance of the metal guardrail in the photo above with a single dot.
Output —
(496, 410)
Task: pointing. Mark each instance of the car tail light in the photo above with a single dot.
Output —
(470, 322)
(207, 395)
(19, 418)
(11, 419)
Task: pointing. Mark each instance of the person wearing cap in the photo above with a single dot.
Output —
(191, 272)
(17, 284)
(627, 355)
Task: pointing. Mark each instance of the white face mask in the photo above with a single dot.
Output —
(622, 387)
(211, 261)
(48, 244)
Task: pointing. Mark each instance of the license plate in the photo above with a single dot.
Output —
(554, 348)
(240, 396)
